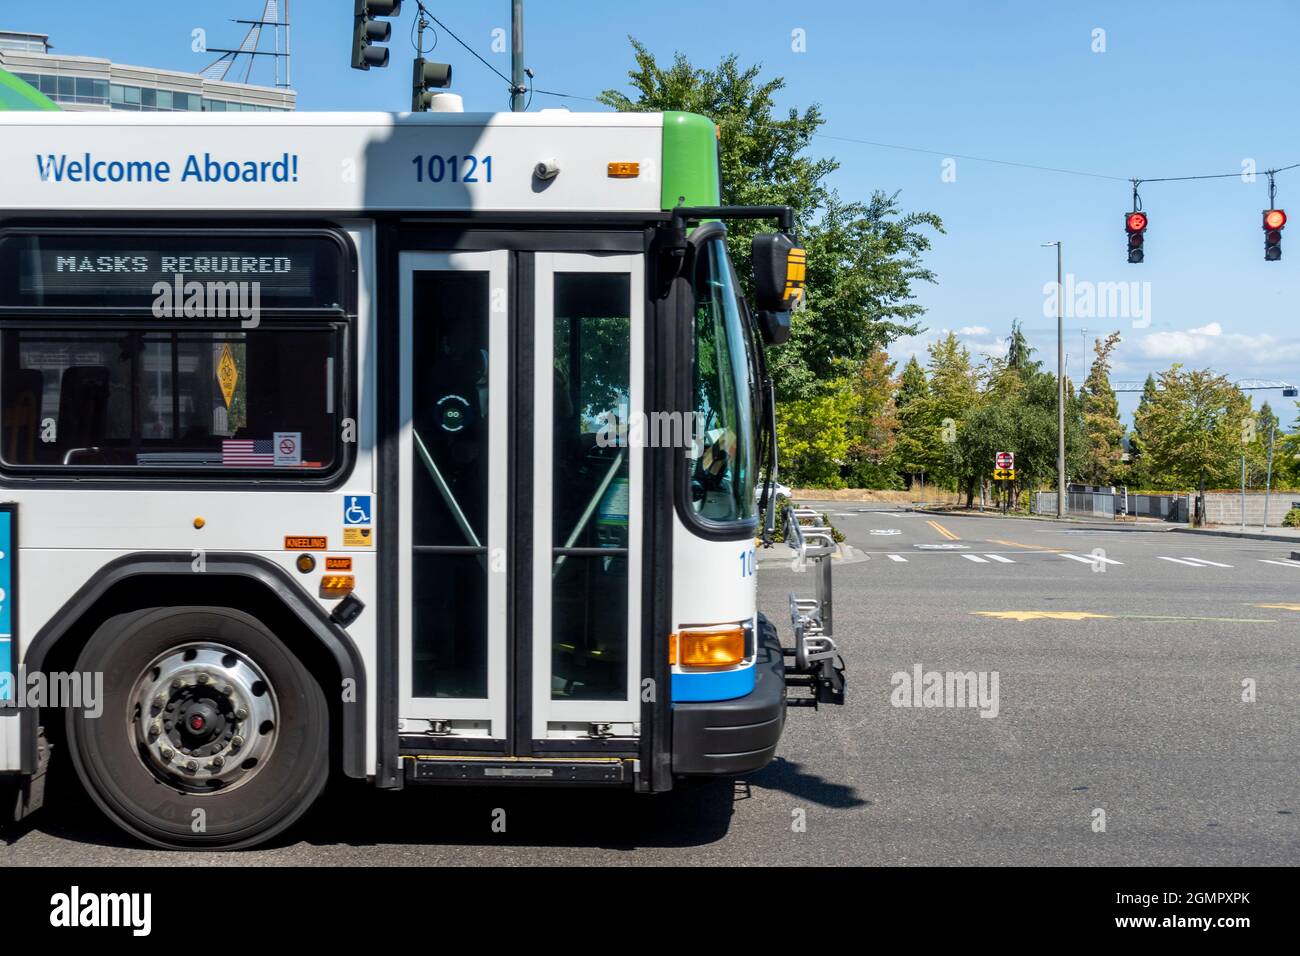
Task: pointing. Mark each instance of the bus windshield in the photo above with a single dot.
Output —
(722, 462)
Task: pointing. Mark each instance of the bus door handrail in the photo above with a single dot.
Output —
(585, 519)
(450, 499)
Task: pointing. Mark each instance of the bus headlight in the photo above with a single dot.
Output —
(719, 646)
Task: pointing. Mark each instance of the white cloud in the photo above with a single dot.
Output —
(1210, 345)
(973, 330)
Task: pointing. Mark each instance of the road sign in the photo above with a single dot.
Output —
(1004, 474)
(1005, 459)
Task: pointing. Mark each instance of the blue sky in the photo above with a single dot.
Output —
(1186, 88)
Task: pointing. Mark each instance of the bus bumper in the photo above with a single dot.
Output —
(726, 737)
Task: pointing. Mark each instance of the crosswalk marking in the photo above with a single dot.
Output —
(974, 557)
(1098, 559)
(1190, 564)
(1285, 564)
(899, 558)
(999, 559)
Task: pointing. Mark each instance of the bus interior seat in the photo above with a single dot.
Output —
(23, 391)
(83, 407)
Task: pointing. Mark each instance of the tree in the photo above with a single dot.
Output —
(1019, 352)
(813, 435)
(1101, 425)
(863, 257)
(1286, 457)
(1256, 439)
(932, 422)
(1139, 471)
(913, 434)
(1194, 429)
(873, 425)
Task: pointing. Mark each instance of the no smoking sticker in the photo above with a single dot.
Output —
(287, 448)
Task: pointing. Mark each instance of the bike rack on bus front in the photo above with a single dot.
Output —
(815, 652)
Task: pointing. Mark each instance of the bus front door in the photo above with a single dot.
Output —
(520, 483)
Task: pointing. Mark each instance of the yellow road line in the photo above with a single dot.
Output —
(943, 531)
(1280, 607)
(1088, 615)
(1031, 547)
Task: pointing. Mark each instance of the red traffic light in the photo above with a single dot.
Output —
(1135, 221)
(1274, 218)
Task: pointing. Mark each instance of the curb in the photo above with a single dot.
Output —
(1259, 536)
(1144, 527)
(845, 554)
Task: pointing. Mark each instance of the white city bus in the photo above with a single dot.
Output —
(421, 448)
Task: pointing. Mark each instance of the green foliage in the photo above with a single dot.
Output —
(873, 426)
(863, 257)
(1291, 519)
(814, 438)
(1194, 428)
(1102, 428)
(931, 420)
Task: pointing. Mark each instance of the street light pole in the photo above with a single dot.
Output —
(1060, 384)
(517, 87)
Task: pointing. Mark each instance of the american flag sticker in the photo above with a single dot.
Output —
(247, 452)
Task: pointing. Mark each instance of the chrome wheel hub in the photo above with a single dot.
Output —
(204, 717)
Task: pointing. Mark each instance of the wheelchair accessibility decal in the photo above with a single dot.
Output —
(357, 521)
(356, 509)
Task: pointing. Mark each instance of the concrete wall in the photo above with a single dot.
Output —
(1225, 508)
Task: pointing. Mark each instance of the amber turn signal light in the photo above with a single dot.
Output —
(720, 646)
(337, 585)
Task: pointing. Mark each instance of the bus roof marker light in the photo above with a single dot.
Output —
(624, 170)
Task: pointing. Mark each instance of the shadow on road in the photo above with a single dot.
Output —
(350, 813)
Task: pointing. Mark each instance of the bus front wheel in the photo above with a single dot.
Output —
(210, 732)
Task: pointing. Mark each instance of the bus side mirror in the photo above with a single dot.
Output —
(774, 327)
(779, 265)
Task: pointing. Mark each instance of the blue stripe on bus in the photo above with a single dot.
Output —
(718, 685)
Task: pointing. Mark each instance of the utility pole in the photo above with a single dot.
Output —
(518, 89)
(1268, 481)
(1060, 384)
(1243, 492)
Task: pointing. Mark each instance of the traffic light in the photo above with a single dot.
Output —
(427, 76)
(1274, 223)
(367, 31)
(1135, 224)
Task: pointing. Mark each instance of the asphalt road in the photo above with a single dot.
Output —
(1120, 659)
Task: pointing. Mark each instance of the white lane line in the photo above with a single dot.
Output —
(899, 558)
(974, 557)
(1285, 564)
(1217, 564)
(1190, 564)
(1090, 559)
(999, 559)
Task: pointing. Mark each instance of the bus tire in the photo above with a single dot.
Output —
(211, 733)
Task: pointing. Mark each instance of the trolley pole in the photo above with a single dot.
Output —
(517, 56)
